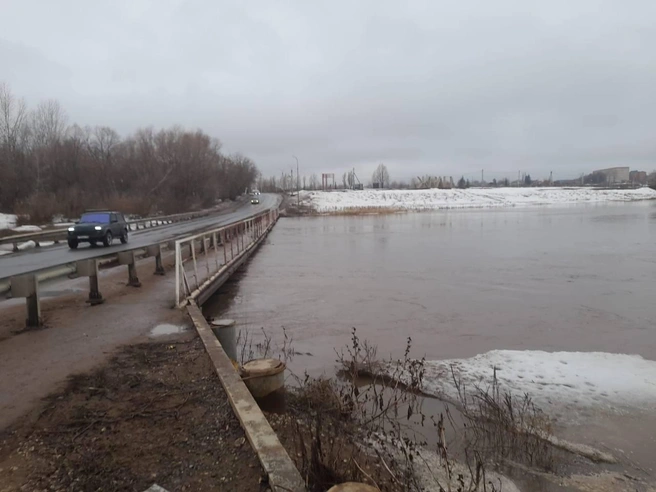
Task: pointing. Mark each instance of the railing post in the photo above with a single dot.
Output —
(216, 249)
(156, 251)
(127, 258)
(178, 266)
(193, 257)
(89, 268)
(225, 250)
(27, 286)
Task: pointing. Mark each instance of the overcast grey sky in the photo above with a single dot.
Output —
(440, 87)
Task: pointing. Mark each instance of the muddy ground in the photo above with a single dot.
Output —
(156, 413)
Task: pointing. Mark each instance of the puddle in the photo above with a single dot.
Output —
(167, 329)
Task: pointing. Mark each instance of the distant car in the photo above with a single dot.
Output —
(97, 226)
(255, 200)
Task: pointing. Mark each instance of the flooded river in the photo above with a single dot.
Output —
(459, 283)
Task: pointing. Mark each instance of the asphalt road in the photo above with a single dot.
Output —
(41, 258)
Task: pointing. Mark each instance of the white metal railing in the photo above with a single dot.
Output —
(202, 258)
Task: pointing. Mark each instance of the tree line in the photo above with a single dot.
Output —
(49, 167)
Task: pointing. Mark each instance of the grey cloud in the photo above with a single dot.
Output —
(429, 87)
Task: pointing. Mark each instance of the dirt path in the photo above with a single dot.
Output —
(76, 336)
(155, 414)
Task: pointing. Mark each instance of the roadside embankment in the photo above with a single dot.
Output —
(155, 413)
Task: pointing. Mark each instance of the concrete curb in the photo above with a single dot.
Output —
(282, 473)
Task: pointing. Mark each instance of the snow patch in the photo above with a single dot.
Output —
(27, 228)
(26, 245)
(565, 384)
(7, 221)
(434, 199)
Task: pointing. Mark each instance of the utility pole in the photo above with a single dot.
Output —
(298, 184)
(482, 176)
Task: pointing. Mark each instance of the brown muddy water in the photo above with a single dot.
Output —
(461, 283)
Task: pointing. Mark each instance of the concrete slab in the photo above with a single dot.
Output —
(282, 473)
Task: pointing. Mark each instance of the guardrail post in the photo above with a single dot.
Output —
(127, 258)
(27, 286)
(222, 233)
(89, 268)
(156, 251)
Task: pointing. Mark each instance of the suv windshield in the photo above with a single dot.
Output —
(102, 218)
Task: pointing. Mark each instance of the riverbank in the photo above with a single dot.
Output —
(389, 201)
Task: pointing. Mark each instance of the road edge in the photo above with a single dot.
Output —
(279, 467)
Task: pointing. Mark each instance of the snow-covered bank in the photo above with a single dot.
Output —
(566, 385)
(344, 201)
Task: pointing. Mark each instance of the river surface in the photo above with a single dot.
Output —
(459, 283)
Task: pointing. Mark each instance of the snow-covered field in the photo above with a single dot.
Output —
(564, 384)
(340, 201)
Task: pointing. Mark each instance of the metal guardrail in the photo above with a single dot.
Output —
(57, 235)
(221, 251)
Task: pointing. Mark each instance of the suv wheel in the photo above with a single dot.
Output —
(124, 237)
(72, 243)
(107, 240)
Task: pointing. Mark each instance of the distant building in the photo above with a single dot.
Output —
(638, 177)
(614, 175)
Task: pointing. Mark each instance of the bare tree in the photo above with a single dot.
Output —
(13, 114)
(47, 168)
(381, 176)
(47, 130)
(48, 122)
(314, 182)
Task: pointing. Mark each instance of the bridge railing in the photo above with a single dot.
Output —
(192, 252)
(204, 261)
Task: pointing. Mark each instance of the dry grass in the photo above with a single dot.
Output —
(366, 211)
(503, 427)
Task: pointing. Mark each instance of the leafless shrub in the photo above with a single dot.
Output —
(500, 426)
(38, 208)
(381, 414)
(249, 347)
